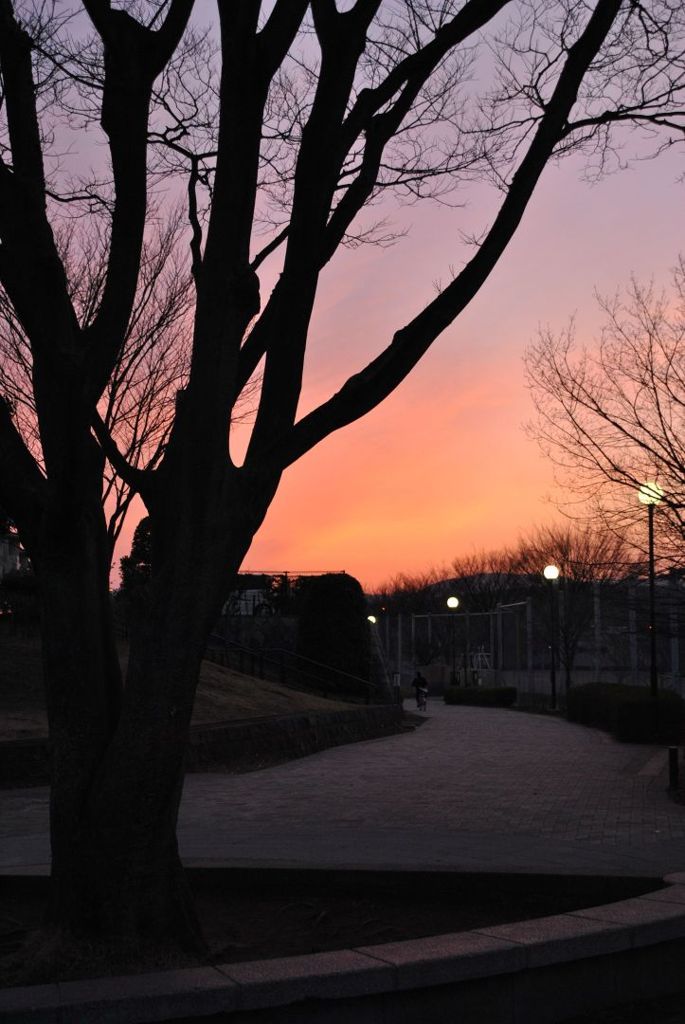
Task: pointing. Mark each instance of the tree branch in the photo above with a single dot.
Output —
(134, 55)
(418, 65)
(137, 479)
(29, 263)
(269, 248)
(336, 31)
(195, 226)
(317, 173)
(277, 35)
(365, 390)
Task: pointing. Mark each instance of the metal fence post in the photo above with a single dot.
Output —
(597, 615)
(672, 767)
(399, 643)
(632, 632)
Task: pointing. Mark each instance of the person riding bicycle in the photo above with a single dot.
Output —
(420, 685)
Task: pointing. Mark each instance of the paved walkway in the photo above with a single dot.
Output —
(472, 789)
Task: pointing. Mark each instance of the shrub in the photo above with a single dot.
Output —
(333, 629)
(645, 721)
(486, 696)
(595, 703)
(628, 712)
(533, 700)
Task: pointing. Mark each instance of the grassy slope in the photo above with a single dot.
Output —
(222, 694)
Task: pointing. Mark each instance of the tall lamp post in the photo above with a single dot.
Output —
(650, 494)
(551, 574)
(453, 604)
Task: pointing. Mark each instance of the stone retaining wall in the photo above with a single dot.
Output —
(239, 745)
(255, 742)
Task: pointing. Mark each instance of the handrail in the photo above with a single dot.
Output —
(277, 655)
(320, 664)
(290, 654)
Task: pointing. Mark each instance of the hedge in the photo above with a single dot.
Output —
(485, 696)
(628, 712)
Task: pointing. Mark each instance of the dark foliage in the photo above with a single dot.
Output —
(482, 696)
(136, 568)
(628, 712)
(333, 628)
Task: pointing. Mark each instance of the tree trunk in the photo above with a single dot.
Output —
(118, 755)
(124, 876)
(80, 667)
(118, 776)
(116, 789)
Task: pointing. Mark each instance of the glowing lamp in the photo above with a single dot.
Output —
(650, 493)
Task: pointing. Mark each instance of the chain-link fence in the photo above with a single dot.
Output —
(594, 631)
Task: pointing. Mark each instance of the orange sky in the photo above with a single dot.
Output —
(443, 467)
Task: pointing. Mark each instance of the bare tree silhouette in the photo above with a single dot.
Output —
(300, 117)
(610, 416)
(585, 555)
(136, 408)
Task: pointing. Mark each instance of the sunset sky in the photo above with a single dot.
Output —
(443, 467)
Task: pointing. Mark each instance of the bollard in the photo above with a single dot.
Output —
(672, 767)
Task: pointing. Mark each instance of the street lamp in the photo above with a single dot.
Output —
(453, 604)
(650, 494)
(551, 574)
(372, 619)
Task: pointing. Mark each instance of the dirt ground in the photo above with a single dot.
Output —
(249, 915)
(245, 917)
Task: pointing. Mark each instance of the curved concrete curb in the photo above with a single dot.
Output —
(536, 971)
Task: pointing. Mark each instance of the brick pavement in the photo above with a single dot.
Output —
(473, 788)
